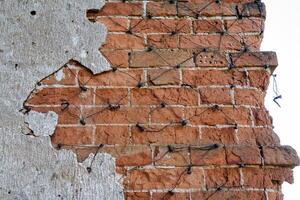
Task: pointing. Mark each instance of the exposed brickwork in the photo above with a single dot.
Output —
(182, 111)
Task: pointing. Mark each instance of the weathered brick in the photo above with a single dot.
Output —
(114, 96)
(163, 77)
(143, 179)
(130, 155)
(261, 117)
(226, 177)
(114, 24)
(64, 76)
(215, 96)
(249, 97)
(211, 59)
(163, 8)
(224, 136)
(72, 135)
(123, 41)
(171, 196)
(137, 195)
(257, 136)
(130, 78)
(117, 58)
(255, 59)
(162, 41)
(243, 155)
(164, 157)
(203, 155)
(161, 26)
(207, 26)
(244, 25)
(205, 8)
(259, 79)
(124, 115)
(167, 96)
(228, 195)
(271, 178)
(224, 116)
(167, 115)
(162, 58)
(165, 135)
(214, 77)
(280, 156)
(112, 135)
(121, 9)
(57, 96)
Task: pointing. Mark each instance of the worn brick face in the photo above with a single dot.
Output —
(182, 109)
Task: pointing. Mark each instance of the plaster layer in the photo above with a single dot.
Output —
(40, 36)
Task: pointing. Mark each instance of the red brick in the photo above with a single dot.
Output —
(72, 135)
(280, 156)
(255, 59)
(171, 196)
(163, 77)
(224, 136)
(130, 78)
(112, 135)
(261, 117)
(249, 97)
(259, 79)
(143, 179)
(106, 96)
(166, 135)
(257, 136)
(166, 115)
(202, 26)
(161, 9)
(70, 115)
(168, 96)
(114, 24)
(227, 177)
(124, 115)
(211, 59)
(121, 9)
(243, 155)
(179, 157)
(199, 41)
(275, 196)
(244, 25)
(137, 195)
(161, 25)
(254, 9)
(117, 58)
(228, 195)
(215, 96)
(270, 178)
(162, 58)
(202, 155)
(123, 41)
(57, 96)
(221, 116)
(64, 76)
(205, 8)
(130, 155)
(162, 41)
(214, 77)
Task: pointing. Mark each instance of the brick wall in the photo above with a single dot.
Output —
(182, 109)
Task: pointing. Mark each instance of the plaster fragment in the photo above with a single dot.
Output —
(42, 124)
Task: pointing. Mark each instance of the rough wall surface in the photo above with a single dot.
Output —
(181, 110)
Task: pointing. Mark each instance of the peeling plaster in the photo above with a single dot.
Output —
(39, 37)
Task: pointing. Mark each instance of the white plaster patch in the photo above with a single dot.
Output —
(59, 75)
(42, 124)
